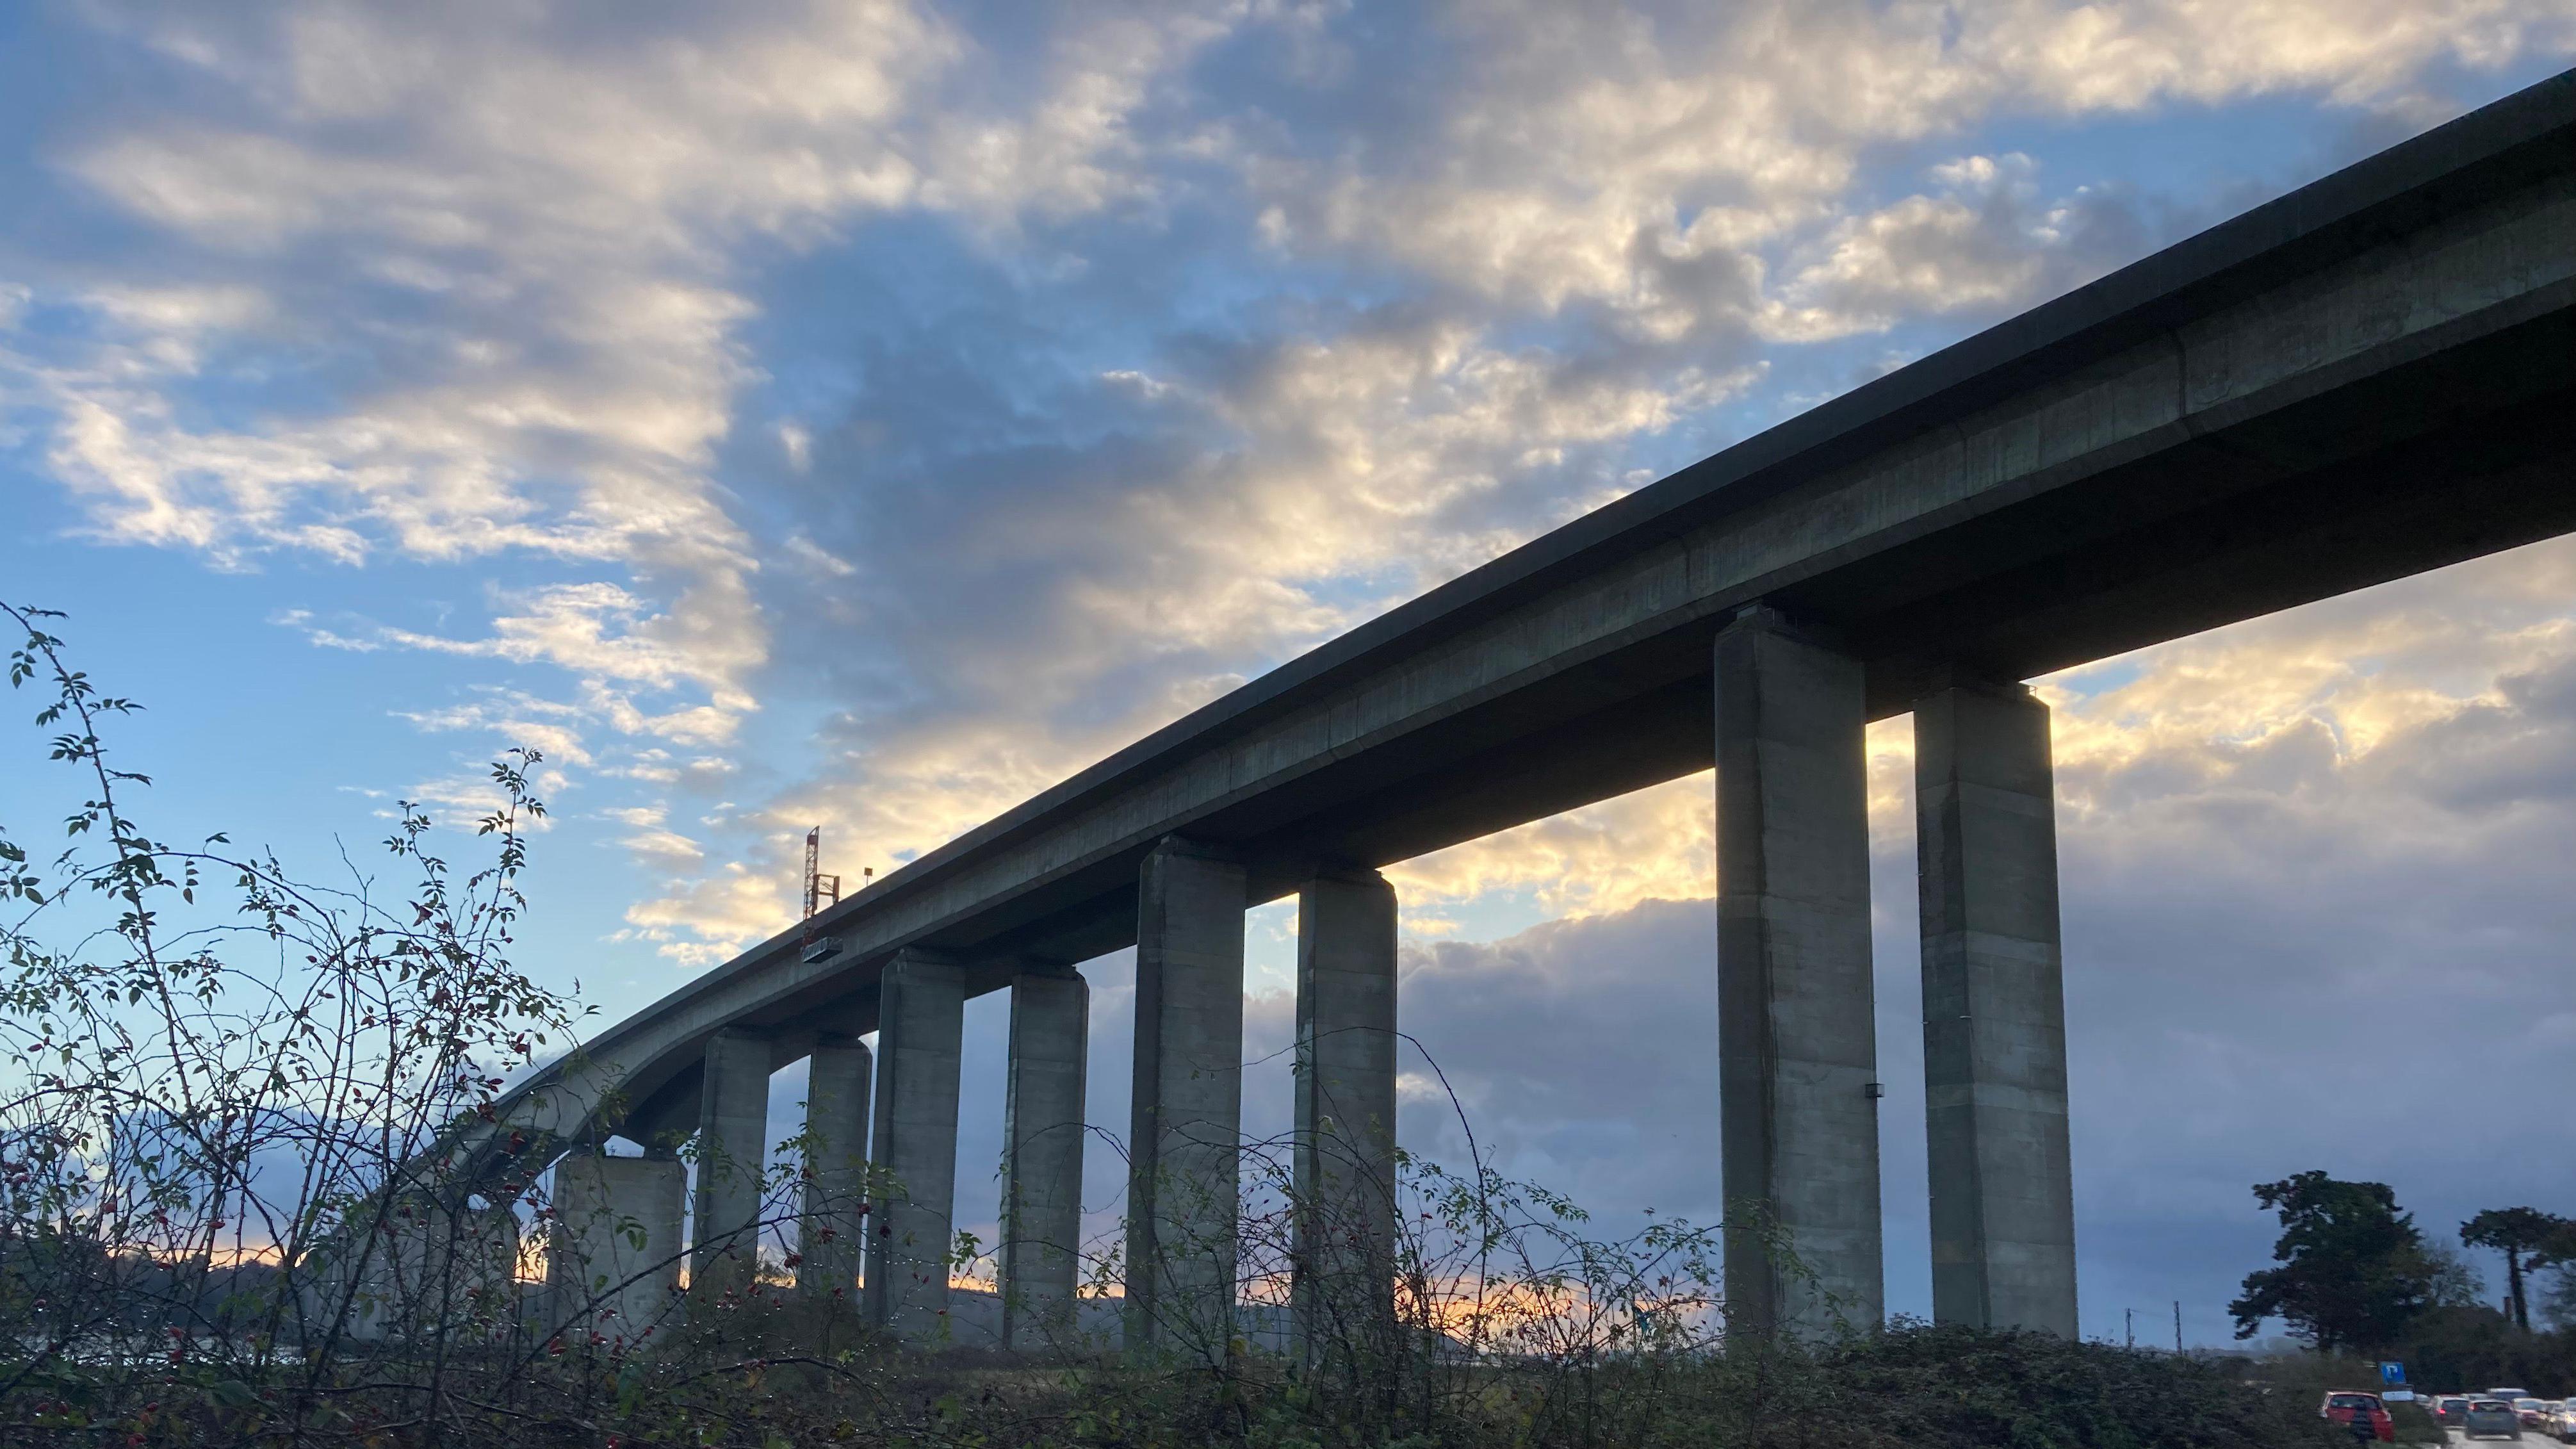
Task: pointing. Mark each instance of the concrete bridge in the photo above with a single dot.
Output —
(2372, 376)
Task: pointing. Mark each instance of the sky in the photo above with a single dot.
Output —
(866, 415)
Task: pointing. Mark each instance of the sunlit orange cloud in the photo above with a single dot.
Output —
(2365, 667)
(1464, 1305)
(2362, 670)
(243, 1253)
(1658, 843)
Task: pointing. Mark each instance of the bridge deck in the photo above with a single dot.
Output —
(2372, 376)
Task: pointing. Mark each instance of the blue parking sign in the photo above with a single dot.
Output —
(2392, 1373)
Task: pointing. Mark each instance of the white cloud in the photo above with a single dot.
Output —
(669, 847)
(571, 200)
(1647, 161)
(526, 254)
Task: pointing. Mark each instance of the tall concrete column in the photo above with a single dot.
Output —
(831, 1232)
(921, 1020)
(733, 1159)
(1183, 1189)
(613, 1267)
(1797, 1049)
(1994, 1012)
(1042, 1135)
(1344, 1290)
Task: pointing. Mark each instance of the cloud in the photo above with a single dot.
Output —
(1651, 160)
(2291, 942)
(869, 414)
(1014, 609)
(501, 258)
(533, 723)
(993, 397)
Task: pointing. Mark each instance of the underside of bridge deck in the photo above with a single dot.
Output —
(2371, 377)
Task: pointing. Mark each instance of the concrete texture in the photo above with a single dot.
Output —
(2371, 376)
(1797, 1044)
(1184, 1149)
(921, 1020)
(600, 1278)
(1994, 1012)
(1344, 1172)
(1042, 1142)
(432, 1274)
(831, 1234)
(733, 1161)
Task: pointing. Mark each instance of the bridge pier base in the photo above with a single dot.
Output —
(733, 1161)
(1797, 1042)
(598, 1279)
(1343, 1299)
(1994, 1013)
(1042, 1132)
(921, 1007)
(831, 1231)
(1187, 1121)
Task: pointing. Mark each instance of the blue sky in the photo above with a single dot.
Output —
(865, 415)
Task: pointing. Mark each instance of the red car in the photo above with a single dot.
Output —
(2342, 1406)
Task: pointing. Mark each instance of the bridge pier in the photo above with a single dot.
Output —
(1344, 1286)
(921, 1008)
(1994, 1012)
(598, 1199)
(831, 1232)
(1042, 1142)
(1797, 1043)
(1187, 1119)
(733, 1159)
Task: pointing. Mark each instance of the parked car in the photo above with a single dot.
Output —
(2343, 1406)
(2491, 1416)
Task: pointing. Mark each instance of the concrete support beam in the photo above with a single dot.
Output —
(733, 1161)
(1042, 1144)
(1344, 1292)
(1797, 1050)
(921, 1020)
(434, 1275)
(1994, 1012)
(613, 1266)
(831, 1231)
(1187, 1125)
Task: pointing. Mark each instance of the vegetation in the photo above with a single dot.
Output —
(256, 1189)
(2359, 1284)
(2525, 1236)
(2353, 1269)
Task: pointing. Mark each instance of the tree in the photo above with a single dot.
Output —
(2526, 1237)
(2558, 1305)
(2353, 1270)
(2453, 1281)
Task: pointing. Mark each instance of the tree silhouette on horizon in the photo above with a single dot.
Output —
(2353, 1268)
(2528, 1238)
